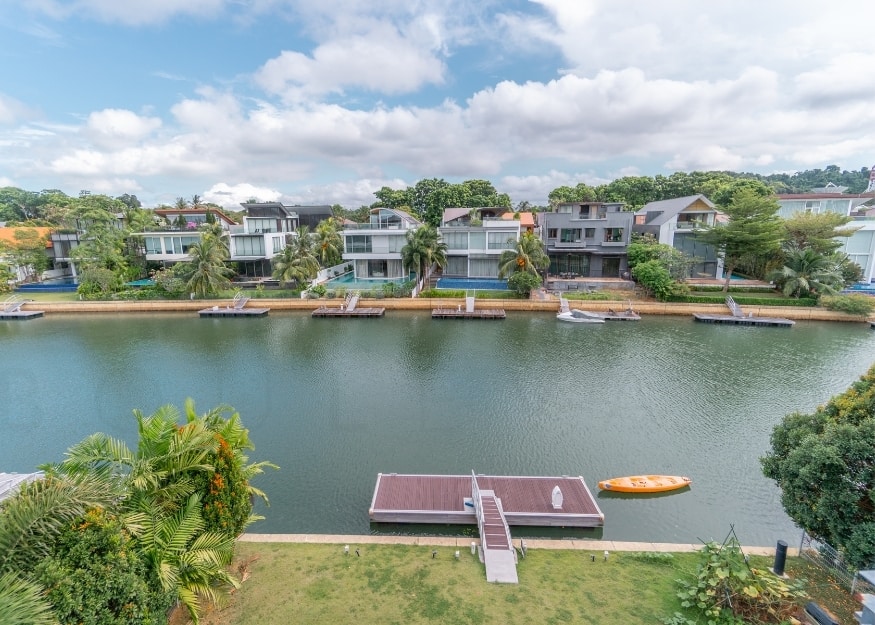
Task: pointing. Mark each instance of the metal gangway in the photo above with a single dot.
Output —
(735, 308)
(496, 549)
(13, 303)
(352, 300)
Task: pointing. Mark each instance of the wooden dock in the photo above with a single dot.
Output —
(451, 313)
(625, 315)
(326, 311)
(230, 311)
(744, 321)
(404, 498)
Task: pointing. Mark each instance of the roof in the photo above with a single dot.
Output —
(7, 234)
(195, 211)
(403, 215)
(9, 482)
(454, 213)
(526, 218)
(670, 208)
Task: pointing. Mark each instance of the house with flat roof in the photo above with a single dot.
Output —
(476, 238)
(587, 239)
(860, 246)
(11, 236)
(265, 231)
(675, 221)
(374, 248)
(176, 229)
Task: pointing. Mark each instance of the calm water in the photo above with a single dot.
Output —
(334, 402)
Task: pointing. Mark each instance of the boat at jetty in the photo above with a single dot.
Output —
(579, 316)
(645, 483)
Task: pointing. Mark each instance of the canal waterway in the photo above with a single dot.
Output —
(335, 401)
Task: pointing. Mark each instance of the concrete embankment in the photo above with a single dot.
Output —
(797, 313)
(464, 542)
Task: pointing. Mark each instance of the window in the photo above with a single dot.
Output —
(278, 245)
(613, 235)
(249, 246)
(455, 240)
(396, 243)
(477, 241)
(358, 244)
(377, 268)
(589, 233)
(551, 233)
(570, 235)
(153, 245)
(500, 241)
(257, 226)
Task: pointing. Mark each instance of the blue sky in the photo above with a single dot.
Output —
(326, 102)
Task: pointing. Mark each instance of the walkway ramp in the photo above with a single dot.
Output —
(496, 548)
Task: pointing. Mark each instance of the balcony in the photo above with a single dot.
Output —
(380, 226)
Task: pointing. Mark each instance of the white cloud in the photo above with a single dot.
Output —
(130, 12)
(230, 196)
(111, 128)
(381, 61)
(348, 193)
(12, 111)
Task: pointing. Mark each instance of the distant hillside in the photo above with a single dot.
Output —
(805, 181)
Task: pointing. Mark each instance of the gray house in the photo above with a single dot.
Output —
(674, 222)
(587, 239)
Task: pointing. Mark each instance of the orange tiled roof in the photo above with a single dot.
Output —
(527, 219)
(7, 234)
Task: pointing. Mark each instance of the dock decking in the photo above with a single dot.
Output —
(326, 311)
(450, 313)
(227, 311)
(744, 321)
(625, 315)
(404, 498)
(21, 314)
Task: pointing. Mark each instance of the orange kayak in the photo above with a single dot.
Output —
(645, 483)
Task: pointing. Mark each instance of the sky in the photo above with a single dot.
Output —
(327, 101)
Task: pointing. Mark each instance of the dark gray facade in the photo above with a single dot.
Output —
(587, 239)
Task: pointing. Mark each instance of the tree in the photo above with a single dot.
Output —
(527, 256)
(422, 250)
(807, 272)
(181, 203)
(23, 602)
(206, 273)
(647, 248)
(102, 241)
(297, 262)
(196, 202)
(524, 282)
(817, 231)
(580, 193)
(655, 278)
(754, 229)
(824, 464)
(27, 251)
(329, 243)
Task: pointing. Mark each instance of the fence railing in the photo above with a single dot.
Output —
(828, 557)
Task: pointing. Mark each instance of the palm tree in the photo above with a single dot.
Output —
(296, 262)
(206, 272)
(182, 555)
(181, 203)
(329, 243)
(806, 272)
(196, 201)
(527, 255)
(23, 602)
(423, 249)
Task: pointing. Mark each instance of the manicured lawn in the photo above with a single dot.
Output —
(404, 585)
(45, 297)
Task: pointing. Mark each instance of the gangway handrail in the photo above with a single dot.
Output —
(735, 308)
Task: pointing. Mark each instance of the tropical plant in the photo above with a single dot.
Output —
(422, 250)
(23, 602)
(807, 272)
(296, 263)
(329, 243)
(185, 558)
(646, 248)
(655, 278)
(206, 273)
(818, 231)
(524, 282)
(527, 255)
(727, 589)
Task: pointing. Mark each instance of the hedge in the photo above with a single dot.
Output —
(742, 301)
(732, 289)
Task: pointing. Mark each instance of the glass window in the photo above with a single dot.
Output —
(249, 246)
(569, 235)
(500, 241)
(358, 244)
(377, 268)
(551, 233)
(455, 240)
(153, 245)
(259, 225)
(278, 245)
(456, 266)
(477, 241)
(613, 235)
(589, 233)
(396, 243)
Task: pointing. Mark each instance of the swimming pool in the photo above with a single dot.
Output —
(58, 285)
(490, 284)
(348, 281)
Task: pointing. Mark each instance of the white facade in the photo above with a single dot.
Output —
(374, 248)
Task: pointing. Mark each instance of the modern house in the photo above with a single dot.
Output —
(374, 248)
(176, 230)
(860, 246)
(476, 238)
(13, 235)
(587, 239)
(265, 232)
(674, 222)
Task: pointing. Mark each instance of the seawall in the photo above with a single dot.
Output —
(796, 313)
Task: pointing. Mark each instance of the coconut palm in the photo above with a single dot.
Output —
(527, 255)
(329, 244)
(296, 262)
(23, 602)
(806, 272)
(206, 272)
(423, 249)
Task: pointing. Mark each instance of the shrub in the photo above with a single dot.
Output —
(742, 301)
(861, 305)
(523, 282)
(655, 278)
(389, 289)
(330, 294)
(318, 290)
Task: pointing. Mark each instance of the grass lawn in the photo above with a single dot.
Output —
(71, 296)
(402, 584)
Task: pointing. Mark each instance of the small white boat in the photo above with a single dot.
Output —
(579, 316)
